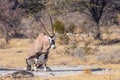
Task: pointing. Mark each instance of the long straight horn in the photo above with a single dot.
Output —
(43, 26)
(51, 24)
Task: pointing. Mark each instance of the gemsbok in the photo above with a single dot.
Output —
(38, 54)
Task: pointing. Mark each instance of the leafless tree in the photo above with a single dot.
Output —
(10, 15)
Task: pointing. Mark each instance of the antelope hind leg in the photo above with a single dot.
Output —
(42, 59)
(28, 67)
(30, 62)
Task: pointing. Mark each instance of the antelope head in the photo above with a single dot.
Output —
(51, 37)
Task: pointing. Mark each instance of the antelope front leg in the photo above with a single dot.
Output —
(28, 64)
(45, 68)
(36, 64)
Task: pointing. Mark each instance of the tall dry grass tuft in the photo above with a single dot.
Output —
(63, 39)
(74, 50)
(78, 52)
(2, 44)
(87, 71)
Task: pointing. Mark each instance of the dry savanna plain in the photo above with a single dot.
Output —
(13, 55)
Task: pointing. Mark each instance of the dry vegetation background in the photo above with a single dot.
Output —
(77, 46)
(86, 53)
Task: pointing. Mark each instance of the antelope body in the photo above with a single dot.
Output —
(40, 45)
(38, 54)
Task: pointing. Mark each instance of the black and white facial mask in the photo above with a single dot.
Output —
(52, 42)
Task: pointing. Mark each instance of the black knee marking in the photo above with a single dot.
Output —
(46, 56)
(28, 65)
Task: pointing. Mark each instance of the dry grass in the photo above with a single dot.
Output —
(17, 51)
(14, 56)
(2, 43)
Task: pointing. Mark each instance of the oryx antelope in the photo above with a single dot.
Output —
(38, 54)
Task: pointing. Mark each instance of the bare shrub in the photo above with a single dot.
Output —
(63, 39)
(78, 52)
(75, 51)
(112, 57)
(30, 27)
(71, 28)
(10, 16)
(88, 50)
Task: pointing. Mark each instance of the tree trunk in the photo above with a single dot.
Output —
(98, 33)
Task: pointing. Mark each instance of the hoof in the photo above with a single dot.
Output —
(35, 69)
(28, 69)
(47, 69)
